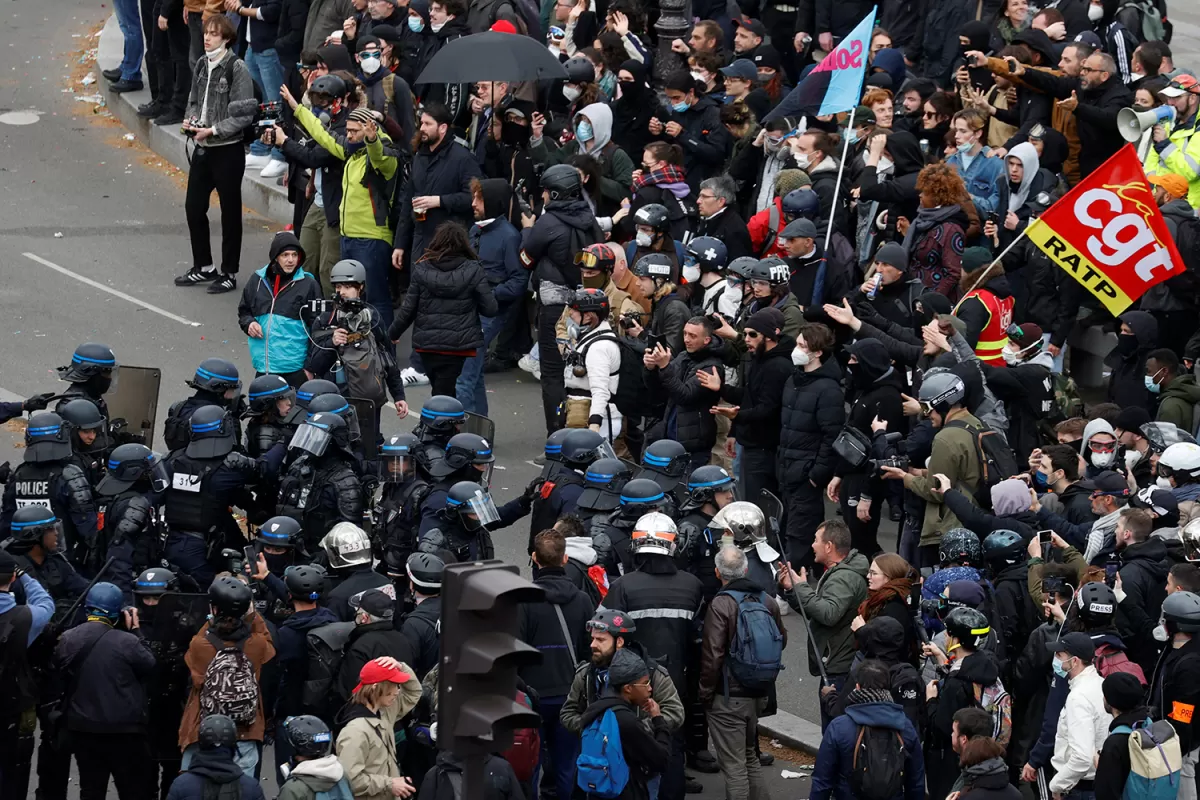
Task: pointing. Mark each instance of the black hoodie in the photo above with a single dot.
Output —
(957, 691)
(760, 400)
(647, 754)
(688, 419)
(215, 769)
(549, 247)
(1127, 385)
(541, 627)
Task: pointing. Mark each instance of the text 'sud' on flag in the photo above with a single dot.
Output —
(1109, 235)
(835, 84)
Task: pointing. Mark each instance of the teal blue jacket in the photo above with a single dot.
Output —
(283, 347)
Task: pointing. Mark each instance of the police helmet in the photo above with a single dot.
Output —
(308, 735)
(305, 581)
(314, 388)
(318, 432)
(82, 415)
(941, 392)
(969, 626)
(602, 484)
(742, 267)
(442, 414)
(667, 457)
(425, 570)
(655, 266)
(154, 582)
(130, 463)
(1003, 549)
(105, 600)
(652, 215)
(580, 70)
(773, 270)
(801, 203)
(960, 546)
(217, 730)
(590, 300)
(47, 438)
(746, 523)
(337, 404)
(331, 85)
(562, 181)
(554, 441)
(655, 534)
(347, 545)
(705, 482)
(281, 531)
(1097, 603)
(216, 375)
(348, 270)
(229, 597)
(472, 505)
(462, 451)
(710, 253)
(583, 446)
(1182, 459)
(615, 623)
(89, 360)
(31, 523)
(210, 433)
(397, 458)
(265, 391)
(641, 496)
(1181, 611)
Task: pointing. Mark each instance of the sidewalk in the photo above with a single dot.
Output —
(261, 196)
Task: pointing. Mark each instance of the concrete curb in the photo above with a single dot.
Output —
(795, 732)
(262, 196)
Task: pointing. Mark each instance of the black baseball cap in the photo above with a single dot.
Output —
(1077, 644)
(753, 25)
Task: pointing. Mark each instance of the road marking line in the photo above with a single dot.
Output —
(110, 290)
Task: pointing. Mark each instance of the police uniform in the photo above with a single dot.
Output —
(318, 493)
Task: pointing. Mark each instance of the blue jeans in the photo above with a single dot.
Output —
(267, 72)
(130, 20)
(376, 256)
(560, 747)
(470, 389)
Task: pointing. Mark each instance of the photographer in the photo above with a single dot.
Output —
(591, 381)
(220, 107)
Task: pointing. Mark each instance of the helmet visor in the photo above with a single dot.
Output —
(311, 439)
(157, 474)
(351, 417)
(480, 510)
(605, 450)
(1191, 542)
(485, 475)
(396, 468)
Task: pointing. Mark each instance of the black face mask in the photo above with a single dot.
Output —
(1127, 344)
(98, 384)
(514, 134)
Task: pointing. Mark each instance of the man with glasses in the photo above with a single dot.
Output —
(719, 219)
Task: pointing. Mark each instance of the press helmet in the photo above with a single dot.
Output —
(710, 253)
(229, 597)
(652, 215)
(562, 180)
(309, 736)
(305, 582)
(348, 270)
(217, 730)
(960, 546)
(1097, 604)
(1179, 460)
(656, 266)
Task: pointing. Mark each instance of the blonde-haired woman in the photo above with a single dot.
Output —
(387, 690)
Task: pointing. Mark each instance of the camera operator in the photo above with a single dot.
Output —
(220, 107)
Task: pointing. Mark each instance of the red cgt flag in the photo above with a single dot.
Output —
(1109, 235)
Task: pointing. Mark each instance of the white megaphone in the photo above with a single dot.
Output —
(1132, 124)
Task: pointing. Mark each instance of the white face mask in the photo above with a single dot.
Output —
(1095, 12)
(1160, 630)
(691, 274)
(885, 164)
(700, 77)
(802, 160)
(1163, 483)
(437, 26)
(1009, 356)
(801, 358)
(483, 223)
(571, 93)
(1103, 460)
(730, 302)
(370, 65)
(644, 239)
(1132, 457)
(215, 55)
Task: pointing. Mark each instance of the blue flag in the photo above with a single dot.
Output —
(834, 85)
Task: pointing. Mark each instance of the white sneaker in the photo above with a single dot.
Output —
(257, 162)
(537, 372)
(274, 169)
(530, 365)
(413, 378)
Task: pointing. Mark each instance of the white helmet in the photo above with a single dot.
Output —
(655, 533)
(347, 545)
(1190, 536)
(1183, 457)
(745, 521)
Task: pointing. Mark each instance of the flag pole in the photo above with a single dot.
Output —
(837, 186)
(997, 260)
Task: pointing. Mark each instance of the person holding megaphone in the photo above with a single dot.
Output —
(1176, 147)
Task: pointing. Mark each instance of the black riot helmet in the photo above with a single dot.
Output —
(314, 388)
(82, 415)
(331, 86)
(31, 523)
(653, 215)
(773, 270)
(129, 464)
(309, 736)
(425, 570)
(743, 266)
(603, 482)
(337, 404)
(442, 415)
(320, 431)
(960, 546)
(562, 182)
(1003, 549)
(305, 582)
(210, 433)
(554, 443)
(462, 451)
(47, 438)
(710, 253)
(229, 597)
(89, 360)
(282, 532)
(580, 70)
(154, 582)
(218, 730)
(267, 390)
(471, 505)
(969, 626)
(641, 496)
(1097, 604)
(397, 458)
(583, 446)
(216, 375)
(656, 266)
(704, 483)
(665, 461)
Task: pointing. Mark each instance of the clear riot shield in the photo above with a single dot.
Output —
(186, 612)
(480, 426)
(134, 399)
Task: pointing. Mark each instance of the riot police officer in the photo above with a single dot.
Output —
(207, 477)
(550, 460)
(13, 409)
(90, 374)
(321, 486)
(271, 400)
(50, 477)
(335, 403)
(278, 546)
(639, 497)
(217, 384)
(128, 496)
(398, 515)
(666, 463)
(34, 542)
(314, 388)
(710, 488)
(602, 485)
(348, 551)
(580, 449)
(89, 437)
(441, 418)
(468, 457)
(167, 688)
(422, 625)
(462, 525)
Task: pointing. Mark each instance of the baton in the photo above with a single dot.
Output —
(83, 595)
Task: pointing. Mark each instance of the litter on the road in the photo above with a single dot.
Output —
(787, 773)
(58, 235)
(776, 743)
(90, 98)
(88, 80)
(129, 137)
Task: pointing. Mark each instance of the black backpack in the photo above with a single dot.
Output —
(909, 692)
(877, 771)
(325, 646)
(631, 397)
(996, 460)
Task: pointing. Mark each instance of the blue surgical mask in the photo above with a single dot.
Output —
(852, 135)
(680, 107)
(1060, 669)
(416, 24)
(1151, 386)
(583, 131)
(965, 147)
(1040, 480)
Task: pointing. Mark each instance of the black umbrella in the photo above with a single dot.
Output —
(492, 56)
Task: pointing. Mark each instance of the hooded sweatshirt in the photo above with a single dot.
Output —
(215, 769)
(274, 300)
(542, 628)
(498, 243)
(1127, 384)
(831, 776)
(1177, 401)
(1029, 159)
(309, 777)
(1094, 467)
(616, 168)
(1010, 497)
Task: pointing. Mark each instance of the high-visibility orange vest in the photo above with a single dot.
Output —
(994, 335)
